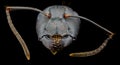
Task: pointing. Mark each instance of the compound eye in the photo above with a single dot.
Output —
(48, 15)
(66, 15)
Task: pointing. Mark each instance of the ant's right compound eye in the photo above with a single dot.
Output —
(48, 15)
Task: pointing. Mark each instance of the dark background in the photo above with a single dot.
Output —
(89, 38)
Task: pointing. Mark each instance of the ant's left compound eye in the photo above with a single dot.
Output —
(66, 15)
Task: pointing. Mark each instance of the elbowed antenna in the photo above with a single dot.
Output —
(14, 30)
(94, 23)
(24, 8)
(100, 48)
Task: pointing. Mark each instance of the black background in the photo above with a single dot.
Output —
(89, 38)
